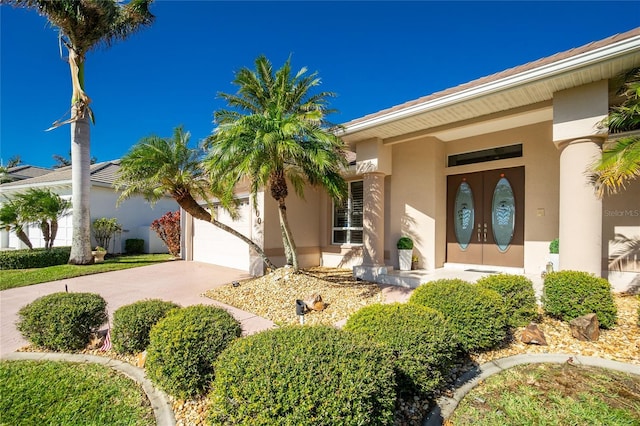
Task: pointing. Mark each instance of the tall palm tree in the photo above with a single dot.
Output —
(158, 166)
(85, 25)
(11, 220)
(620, 162)
(43, 207)
(277, 133)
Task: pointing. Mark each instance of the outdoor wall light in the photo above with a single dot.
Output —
(300, 310)
(235, 283)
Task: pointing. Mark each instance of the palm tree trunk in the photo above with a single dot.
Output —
(287, 237)
(54, 231)
(191, 206)
(46, 233)
(23, 237)
(80, 193)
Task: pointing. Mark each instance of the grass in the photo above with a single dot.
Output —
(552, 394)
(23, 277)
(61, 393)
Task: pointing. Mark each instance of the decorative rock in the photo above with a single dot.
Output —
(315, 303)
(532, 335)
(586, 327)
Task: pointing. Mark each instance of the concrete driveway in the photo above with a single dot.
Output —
(178, 281)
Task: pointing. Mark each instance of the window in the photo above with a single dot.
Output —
(347, 216)
(499, 153)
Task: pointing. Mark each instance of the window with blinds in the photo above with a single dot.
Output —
(347, 216)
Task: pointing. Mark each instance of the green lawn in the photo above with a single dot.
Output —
(22, 277)
(62, 393)
(552, 394)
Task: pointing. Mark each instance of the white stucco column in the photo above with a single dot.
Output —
(580, 210)
(373, 220)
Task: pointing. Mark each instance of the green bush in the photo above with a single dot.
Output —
(405, 243)
(36, 258)
(517, 294)
(183, 346)
(554, 246)
(62, 321)
(132, 324)
(476, 313)
(134, 246)
(303, 376)
(571, 294)
(424, 342)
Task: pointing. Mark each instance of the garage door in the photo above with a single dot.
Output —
(213, 245)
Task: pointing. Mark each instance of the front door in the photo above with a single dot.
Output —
(485, 218)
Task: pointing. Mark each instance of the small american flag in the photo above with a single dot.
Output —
(106, 345)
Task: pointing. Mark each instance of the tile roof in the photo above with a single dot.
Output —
(26, 172)
(105, 173)
(503, 74)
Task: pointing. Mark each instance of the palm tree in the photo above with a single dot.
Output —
(620, 162)
(158, 166)
(11, 220)
(44, 207)
(83, 26)
(277, 133)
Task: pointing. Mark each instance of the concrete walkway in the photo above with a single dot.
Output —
(178, 281)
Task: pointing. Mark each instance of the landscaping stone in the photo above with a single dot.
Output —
(532, 335)
(585, 328)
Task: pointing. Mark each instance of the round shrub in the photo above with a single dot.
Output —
(423, 341)
(132, 324)
(517, 294)
(571, 294)
(476, 313)
(303, 376)
(62, 321)
(183, 346)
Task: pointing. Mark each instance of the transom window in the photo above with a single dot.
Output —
(347, 216)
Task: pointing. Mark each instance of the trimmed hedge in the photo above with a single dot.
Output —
(571, 294)
(36, 258)
(134, 246)
(132, 324)
(517, 294)
(424, 342)
(183, 346)
(62, 321)
(476, 313)
(303, 376)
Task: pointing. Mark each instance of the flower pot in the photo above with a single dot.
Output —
(554, 258)
(98, 256)
(404, 259)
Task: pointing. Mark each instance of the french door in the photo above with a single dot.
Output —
(485, 218)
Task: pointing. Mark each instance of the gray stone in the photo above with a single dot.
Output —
(532, 335)
(586, 328)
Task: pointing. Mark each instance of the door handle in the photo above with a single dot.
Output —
(485, 233)
(479, 238)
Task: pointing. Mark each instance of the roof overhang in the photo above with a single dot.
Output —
(521, 97)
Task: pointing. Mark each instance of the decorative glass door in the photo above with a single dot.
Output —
(485, 218)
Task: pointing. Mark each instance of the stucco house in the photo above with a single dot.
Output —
(135, 215)
(481, 176)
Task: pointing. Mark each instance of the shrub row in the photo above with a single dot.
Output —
(570, 294)
(36, 258)
(134, 246)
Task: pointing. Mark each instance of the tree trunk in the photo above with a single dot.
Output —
(80, 189)
(46, 233)
(191, 206)
(287, 237)
(23, 237)
(54, 231)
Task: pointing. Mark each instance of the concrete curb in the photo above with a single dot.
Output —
(158, 399)
(464, 384)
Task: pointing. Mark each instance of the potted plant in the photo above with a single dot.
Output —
(414, 262)
(405, 253)
(554, 254)
(98, 254)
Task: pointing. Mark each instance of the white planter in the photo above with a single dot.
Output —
(555, 259)
(404, 257)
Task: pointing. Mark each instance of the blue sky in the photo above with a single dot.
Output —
(374, 55)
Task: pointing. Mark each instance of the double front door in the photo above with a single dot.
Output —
(485, 218)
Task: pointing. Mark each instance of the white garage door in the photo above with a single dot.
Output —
(213, 245)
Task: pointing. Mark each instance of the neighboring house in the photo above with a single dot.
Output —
(481, 176)
(135, 215)
(23, 172)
